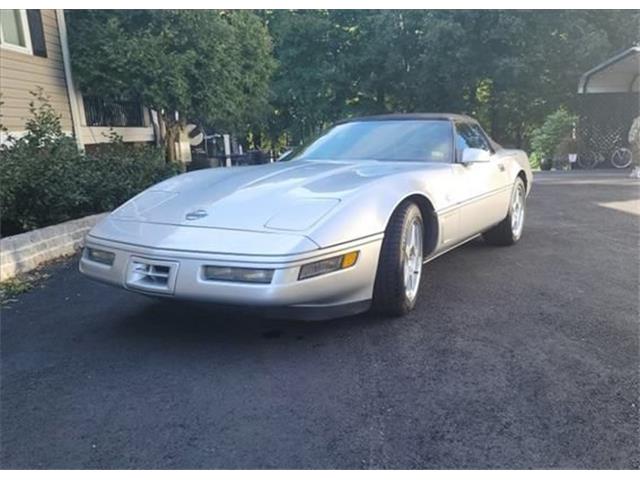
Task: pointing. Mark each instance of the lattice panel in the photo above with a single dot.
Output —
(604, 121)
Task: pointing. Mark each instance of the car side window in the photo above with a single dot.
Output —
(469, 135)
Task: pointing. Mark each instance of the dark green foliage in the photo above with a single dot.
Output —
(46, 180)
(213, 67)
(508, 68)
(554, 137)
(118, 171)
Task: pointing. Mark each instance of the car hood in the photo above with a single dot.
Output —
(288, 196)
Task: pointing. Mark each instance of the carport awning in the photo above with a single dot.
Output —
(619, 74)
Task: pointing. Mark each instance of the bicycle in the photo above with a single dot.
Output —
(589, 159)
(597, 144)
(621, 157)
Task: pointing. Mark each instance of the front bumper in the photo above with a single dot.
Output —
(347, 291)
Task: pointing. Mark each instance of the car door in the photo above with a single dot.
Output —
(482, 187)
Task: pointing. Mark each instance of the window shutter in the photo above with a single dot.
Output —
(37, 33)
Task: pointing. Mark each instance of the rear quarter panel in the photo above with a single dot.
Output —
(517, 161)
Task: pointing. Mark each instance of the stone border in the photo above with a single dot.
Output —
(24, 252)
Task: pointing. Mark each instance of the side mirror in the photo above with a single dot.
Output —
(475, 155)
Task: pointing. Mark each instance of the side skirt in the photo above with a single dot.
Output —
(433, 257)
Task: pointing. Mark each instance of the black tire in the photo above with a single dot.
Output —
(503, 234)
(389, 294)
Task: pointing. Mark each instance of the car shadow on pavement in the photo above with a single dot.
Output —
(178, 321)
(184, 321)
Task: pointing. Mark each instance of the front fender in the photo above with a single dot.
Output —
(367, 211)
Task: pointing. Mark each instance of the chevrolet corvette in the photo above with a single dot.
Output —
(345, 223)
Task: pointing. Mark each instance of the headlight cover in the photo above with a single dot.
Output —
(99, 256)
(238, 274)
(328, 265)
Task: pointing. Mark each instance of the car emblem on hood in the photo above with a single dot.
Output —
(196, 214)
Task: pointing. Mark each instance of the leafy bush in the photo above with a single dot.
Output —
(534, 161)
(117, 171)
(546, 139)
(46, 180)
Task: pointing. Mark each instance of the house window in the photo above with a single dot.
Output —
(102, 113)
(14, 30)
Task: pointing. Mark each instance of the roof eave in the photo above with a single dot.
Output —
(584, 79)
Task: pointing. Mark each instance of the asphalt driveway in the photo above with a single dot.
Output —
(519, 357)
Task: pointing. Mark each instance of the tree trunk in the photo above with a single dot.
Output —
(493, 115)
(519, 135)
(170, 145)
(257, 139)
(172, 132)
(380, 100)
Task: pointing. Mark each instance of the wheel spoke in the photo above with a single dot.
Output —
(517, 210)
(412, 252)
(406, 274)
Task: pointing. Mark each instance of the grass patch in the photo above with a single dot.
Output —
(10, 289)
(23, 282)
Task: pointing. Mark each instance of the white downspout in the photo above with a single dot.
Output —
(71, 91)
(226, 138)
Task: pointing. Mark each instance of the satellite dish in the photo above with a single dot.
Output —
(195, 134)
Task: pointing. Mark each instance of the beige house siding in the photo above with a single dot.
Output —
(21, 73)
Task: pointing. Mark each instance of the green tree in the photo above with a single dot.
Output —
(210, 67)
(305, 88)
(508, 68)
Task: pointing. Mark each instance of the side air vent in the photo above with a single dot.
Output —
(152, 275)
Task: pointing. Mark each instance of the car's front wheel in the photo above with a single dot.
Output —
(400, 264)
(509, 230)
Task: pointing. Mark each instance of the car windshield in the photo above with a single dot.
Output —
(389, 140)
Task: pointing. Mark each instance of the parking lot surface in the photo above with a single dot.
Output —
(518, 357)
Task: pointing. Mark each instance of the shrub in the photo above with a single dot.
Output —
(45, 179)
(566, 146)
(117, 171)
(546, 139)
(534, 161)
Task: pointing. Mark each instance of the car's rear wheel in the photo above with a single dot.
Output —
(509, 230)
(400, 264)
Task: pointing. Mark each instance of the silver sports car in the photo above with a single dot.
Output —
(343, 224)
